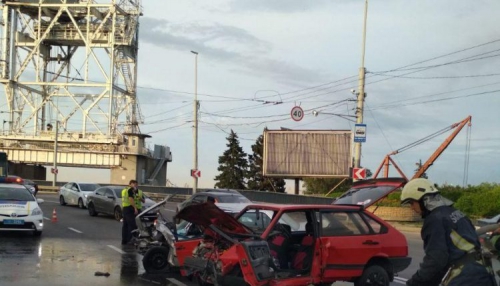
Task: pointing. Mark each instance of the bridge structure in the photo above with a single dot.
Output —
(69, 71)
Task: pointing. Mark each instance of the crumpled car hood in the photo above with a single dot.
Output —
(207, 214)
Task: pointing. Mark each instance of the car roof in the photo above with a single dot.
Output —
(278, 207)
(231, 191)
(14, 186)
(219, 193)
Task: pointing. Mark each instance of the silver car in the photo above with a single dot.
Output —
(108, 200)
(74, 193)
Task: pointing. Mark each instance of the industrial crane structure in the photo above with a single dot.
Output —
(456, 127)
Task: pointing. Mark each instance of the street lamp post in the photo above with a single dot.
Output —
(55, 154)
(195, 178)
(361, 92)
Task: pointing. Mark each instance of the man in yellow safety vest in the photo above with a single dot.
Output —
(129, 211)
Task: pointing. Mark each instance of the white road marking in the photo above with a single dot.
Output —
(54, 202)
(75, 230)
(175, 282)
(400, 280)
(170, 211)
(116, 249)
(46, 218)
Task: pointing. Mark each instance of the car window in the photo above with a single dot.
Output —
(342, 224)
(15, 194)
(232, 199)
(199, 199)
(363, 196)
(74, 187)
(118, 192)
(68, 186)
(258, 222)
(296, 220)
(88, 187)
(375, 225)
(109, 193)
(100, 191)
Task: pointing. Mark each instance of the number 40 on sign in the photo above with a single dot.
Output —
(297, 113)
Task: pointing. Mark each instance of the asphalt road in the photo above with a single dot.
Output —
(70, 251)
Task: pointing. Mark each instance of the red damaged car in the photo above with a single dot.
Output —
(268, 244)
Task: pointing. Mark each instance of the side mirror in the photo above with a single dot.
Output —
(40, 201)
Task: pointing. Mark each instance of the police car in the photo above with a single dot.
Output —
(19, 209)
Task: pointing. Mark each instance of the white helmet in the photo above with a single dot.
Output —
(416, 189)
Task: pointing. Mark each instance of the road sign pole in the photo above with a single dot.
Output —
(361, 92)
(55, 154)
(195, 179)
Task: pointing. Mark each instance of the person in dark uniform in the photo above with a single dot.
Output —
(453, 254)
(129, 211)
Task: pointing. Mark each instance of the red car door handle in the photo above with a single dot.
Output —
(370, 242)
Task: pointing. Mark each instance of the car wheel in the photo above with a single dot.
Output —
(37, 233)
(373, 275)
(62, 201)
(91, 209)
(80, 203)
(155, 260)
(118, 213)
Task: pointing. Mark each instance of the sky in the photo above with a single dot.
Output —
(429, 64)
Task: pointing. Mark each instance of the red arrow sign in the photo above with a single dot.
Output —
(358, 173)
(195, 173)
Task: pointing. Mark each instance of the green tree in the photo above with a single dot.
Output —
(232, 165)
(256, 180)
(323, 186)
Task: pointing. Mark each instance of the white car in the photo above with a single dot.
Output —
(19, 210)
(74, 193)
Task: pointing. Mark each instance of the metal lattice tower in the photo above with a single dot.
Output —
(72, 61)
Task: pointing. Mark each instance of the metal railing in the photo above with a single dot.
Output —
(255, 196)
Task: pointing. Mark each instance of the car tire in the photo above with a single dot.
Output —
(373, 275)
(117, 213)
(62, 202)
(91, 209)
(80, 203)
(155, 260)
(37, 233)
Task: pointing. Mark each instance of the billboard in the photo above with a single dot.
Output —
(307, 153)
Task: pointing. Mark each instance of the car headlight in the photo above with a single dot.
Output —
(36, 211)
(86, 196)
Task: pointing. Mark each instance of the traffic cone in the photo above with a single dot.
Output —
(54, 216)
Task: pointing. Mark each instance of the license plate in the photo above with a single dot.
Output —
(13, 221)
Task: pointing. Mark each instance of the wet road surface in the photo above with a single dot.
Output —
(71, 250)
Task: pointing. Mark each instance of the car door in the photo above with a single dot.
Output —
(65, 192)
(74, 193)
(347, 243)
(97, 199)
(109, 201)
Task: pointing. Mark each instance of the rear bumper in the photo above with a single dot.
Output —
(400, 263)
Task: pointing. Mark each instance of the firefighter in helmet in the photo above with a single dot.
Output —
(452, 249)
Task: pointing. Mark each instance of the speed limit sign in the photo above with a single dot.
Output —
(297, 113)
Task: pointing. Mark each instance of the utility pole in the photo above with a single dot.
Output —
(361, 92)
(195, 178)
(55, 154)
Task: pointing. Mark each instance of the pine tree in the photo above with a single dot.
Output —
(233, 165)
(256, 180)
